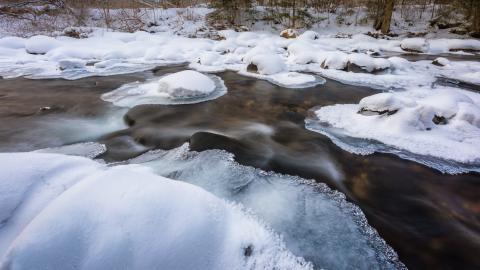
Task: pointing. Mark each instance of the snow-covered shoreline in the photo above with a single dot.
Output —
(289, 62)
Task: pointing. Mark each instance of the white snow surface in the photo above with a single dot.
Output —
(106, 53)
(73, 213)
(184, 87)
(406, 121)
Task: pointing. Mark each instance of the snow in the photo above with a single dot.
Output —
(184, 87)
(41, 44)
(12, 42)
(415, 44)
(84, 215)
(267, 64)
(438, 127)
(316, 222)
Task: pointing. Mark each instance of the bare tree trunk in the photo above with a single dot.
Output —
(387, 16)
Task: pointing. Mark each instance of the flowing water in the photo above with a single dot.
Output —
(431, 220)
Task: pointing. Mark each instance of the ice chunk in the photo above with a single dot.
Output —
(88, 149)
(295, 80)
(436, 127)
(124, 216)
(41, 44)
(183, 87)
(316, 222)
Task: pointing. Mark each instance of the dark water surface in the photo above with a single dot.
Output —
(431, 220)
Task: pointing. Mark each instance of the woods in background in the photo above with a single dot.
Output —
(382, 15)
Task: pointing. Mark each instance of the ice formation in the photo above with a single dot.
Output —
(438, 127)
(184, 87)
(316, 222)
(73, 213)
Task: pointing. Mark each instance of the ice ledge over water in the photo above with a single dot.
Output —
(184, 87)
(437, 127)
(62, 212)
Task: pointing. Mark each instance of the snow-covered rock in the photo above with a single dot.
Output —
(441, 61)
(309, 35)
(362, 62)
(289, 33)
(41, 44)
(415, 45)
(71, 64)
(437, 127)
(183, 87)
(266, 64)
(72, 213)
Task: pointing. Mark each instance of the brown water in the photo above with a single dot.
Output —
(431, 220)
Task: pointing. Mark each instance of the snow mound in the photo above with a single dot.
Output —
(414, 45)
(295, 80)
(41, 44)
(436, 127)
(184, 87)
(99, 217)
(266, 64)
(316, 222)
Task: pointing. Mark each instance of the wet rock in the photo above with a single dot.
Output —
(352, 67)
(248, 251)
(252, 68)
(245, 153)
(289, 33)
(368, 112)
(439, 120)
(459, 31)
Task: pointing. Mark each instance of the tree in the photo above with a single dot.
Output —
(387, 16)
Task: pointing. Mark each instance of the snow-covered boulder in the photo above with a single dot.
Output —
(302, 53)
(289, 33)
(399, 63)
(71, 64)
(266, 64)
(442, 126)
(333, 60)
(309, 35)
(186, 83)
(210, 59)
(441, 62)
(41, 44)
(67, 212)
(414, 45)
(182, 87)
(359, 62)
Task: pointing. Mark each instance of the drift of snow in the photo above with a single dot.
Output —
(415, 44)
(184, 87)
(316, 222)
(41, 44)
(73, 213)
(437, 127)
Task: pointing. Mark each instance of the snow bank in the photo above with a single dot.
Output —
(437, 127)
(184, 87)
(41, 44)
(109, 53)
(125, 216)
